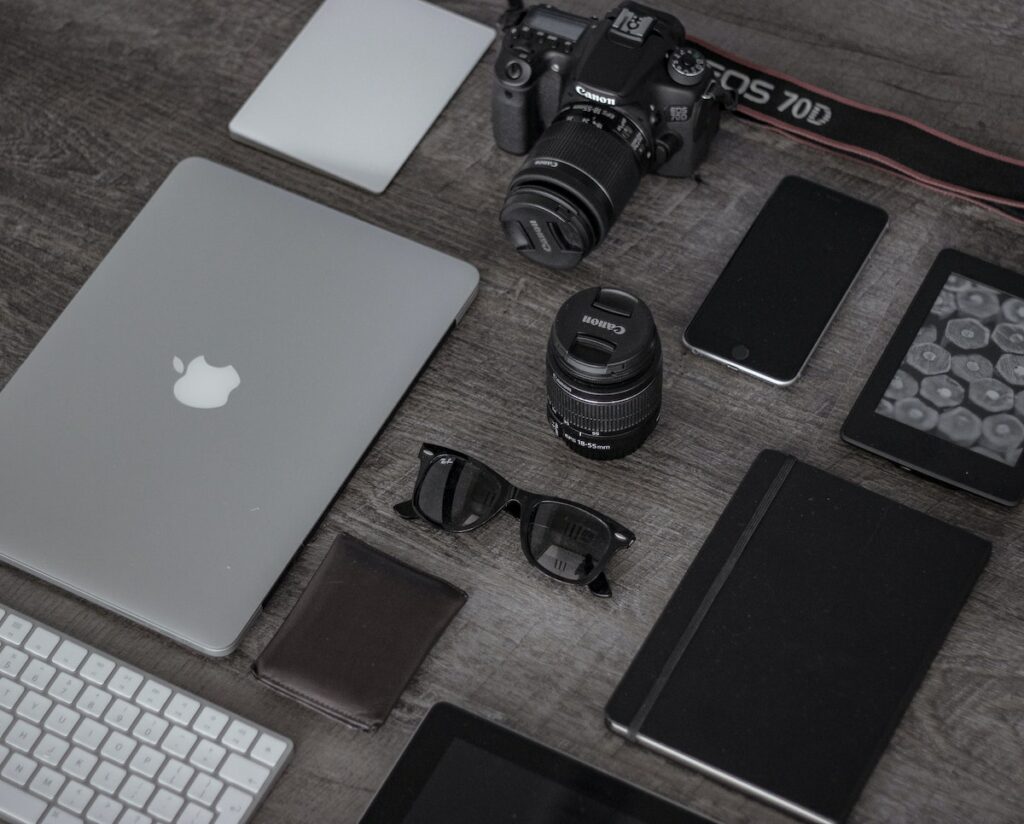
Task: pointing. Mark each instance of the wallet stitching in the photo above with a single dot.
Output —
(332, 709)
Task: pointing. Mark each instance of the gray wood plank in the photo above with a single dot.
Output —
(98, 101)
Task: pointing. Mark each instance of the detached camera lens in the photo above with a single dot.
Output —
(603, 373)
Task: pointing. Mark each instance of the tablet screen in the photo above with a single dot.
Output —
(494, 789)
(962, 380)
(460, 768)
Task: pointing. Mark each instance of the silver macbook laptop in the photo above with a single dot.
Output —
(178, 432)
(360, 85)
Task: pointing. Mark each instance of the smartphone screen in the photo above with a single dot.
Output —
(784, 283)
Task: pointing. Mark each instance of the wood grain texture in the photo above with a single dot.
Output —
(99, 100)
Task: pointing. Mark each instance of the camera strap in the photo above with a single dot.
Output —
(892, 141)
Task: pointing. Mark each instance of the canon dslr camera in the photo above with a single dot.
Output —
(598, 103)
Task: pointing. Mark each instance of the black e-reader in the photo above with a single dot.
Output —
(460, 768)
(947, 397)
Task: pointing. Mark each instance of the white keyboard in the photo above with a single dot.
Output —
(84, 737)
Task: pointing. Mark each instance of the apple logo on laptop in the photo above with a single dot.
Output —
(203, 386)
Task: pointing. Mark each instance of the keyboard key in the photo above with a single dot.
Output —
(122, 715)
(194, 814)
(18, 769)
(182, 709)
(210, 722)
(232, 805)
(47, 783)
(69, 655)
(150, 728)
(136, 791)
(5, 721)
(61, 720)
(33, 707)
(147, 761)
(125, 682)
(90, 734)
(153, 696)
(12, 660)
(93, 701)
(269, 749)
(175, 776)
(75, 796)
(179, 742)
(22, 736)
(118, 748)
(207, 755)
(79, 763)
(103, 810)
(244, 773)
(42, 642)
(37, 675)
(65, 688)
(239, 736)
(14, 628)
(96, 669)
(58, 816)
(135, 817)
(205, 788)
(18, 806)
(165, 805)
(51, 749)
(107, 777)
(10, 693)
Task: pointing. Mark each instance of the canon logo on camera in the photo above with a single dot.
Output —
(597, 98)
(603, 324)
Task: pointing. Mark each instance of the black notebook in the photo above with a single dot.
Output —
(794, 643)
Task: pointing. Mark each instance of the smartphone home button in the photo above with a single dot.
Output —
(740, 352)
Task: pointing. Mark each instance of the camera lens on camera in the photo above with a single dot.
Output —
(603, 373)
(574, 184)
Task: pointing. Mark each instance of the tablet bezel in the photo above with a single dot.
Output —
(923, 452)
(446, 723)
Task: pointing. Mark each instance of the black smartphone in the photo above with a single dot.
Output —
(786, 280)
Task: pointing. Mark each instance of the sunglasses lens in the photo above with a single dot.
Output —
(568, 542)
(458, 494)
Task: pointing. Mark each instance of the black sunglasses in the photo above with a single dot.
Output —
(568, 541)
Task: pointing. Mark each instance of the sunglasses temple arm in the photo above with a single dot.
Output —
(406, 510)
(600, 587)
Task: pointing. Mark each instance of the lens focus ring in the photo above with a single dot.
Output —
(603, 157)
(607, 416)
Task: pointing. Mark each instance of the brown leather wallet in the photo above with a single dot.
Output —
(358, 634)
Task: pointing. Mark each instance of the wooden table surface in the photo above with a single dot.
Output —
(99, 100)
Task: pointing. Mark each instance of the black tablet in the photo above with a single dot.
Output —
(462, 769)
(947, 396)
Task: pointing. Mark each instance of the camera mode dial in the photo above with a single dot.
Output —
(687, 66)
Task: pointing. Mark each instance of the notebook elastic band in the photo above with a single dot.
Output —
(709, 598)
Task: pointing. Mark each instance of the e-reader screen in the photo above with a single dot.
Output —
(962, 379)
